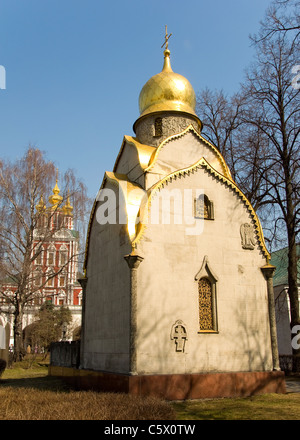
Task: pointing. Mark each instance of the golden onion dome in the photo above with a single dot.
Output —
(167, 91)
(55, 199)
(41, 207)
(68, 208)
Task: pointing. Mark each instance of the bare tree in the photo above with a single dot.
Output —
(240, 143)
(264, 143)
(282, 17)
(275, 111)
(26, 225)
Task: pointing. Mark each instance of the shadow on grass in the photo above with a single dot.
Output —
(48, 383)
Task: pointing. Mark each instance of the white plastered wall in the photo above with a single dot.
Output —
(167, 290)
(107, 323)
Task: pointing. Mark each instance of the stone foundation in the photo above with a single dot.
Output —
(176, 386)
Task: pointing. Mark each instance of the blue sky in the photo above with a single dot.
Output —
(74, 69)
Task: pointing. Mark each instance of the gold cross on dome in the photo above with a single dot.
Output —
(166, 42)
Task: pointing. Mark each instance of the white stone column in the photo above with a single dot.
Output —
(133, 260)
(268, 271)
(83, 283)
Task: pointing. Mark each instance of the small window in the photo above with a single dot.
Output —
(51, 255)
(38, 259)
(204, 208)
(50, 282)
(63, 255)
(50, 278)
(62, 280)
(158, 131)
(63, 258)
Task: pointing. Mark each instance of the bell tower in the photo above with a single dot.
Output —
(59, 250)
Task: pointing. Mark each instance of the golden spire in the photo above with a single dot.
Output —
(41, 206)
(68, 208)
(55, 199)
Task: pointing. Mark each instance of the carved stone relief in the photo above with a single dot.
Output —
(247, 236)
(179, 335)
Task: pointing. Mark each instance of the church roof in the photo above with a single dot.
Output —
(190, 129)
(143, 151)
(279, 259)
(202, 163)
(148, 155)
(137, 199)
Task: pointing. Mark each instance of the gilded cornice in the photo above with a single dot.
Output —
(132, 194)
(190, 129)
(121, 179)
(257, 225)
(148, 155)
(144, 151)
(88, 236)
(202, 163)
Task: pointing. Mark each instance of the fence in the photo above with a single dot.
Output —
(289, 363)
(65, 354)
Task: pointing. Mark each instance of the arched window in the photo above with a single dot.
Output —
(62, 298)
(63, 255)
(62, 279)
(207, 298)
(39, 258)
(205, 305)
(51, 255)
(158, 129)
(50, 278)
(204, 208)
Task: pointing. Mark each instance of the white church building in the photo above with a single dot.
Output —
(178, 299)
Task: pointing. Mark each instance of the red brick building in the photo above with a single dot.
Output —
(55, 270)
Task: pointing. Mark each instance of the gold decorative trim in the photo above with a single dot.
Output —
(133, 196)
(190, 128)
(208, 332)
(144, 151)
(144, 208)
(202, 163)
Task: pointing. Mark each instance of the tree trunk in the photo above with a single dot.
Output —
(18, 334)
(293, 295)
(292, 259)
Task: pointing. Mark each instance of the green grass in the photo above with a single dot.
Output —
(31, 373)
(26, 377)
(262, 407)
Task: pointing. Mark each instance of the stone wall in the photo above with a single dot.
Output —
(171, 124)
(65, 354)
